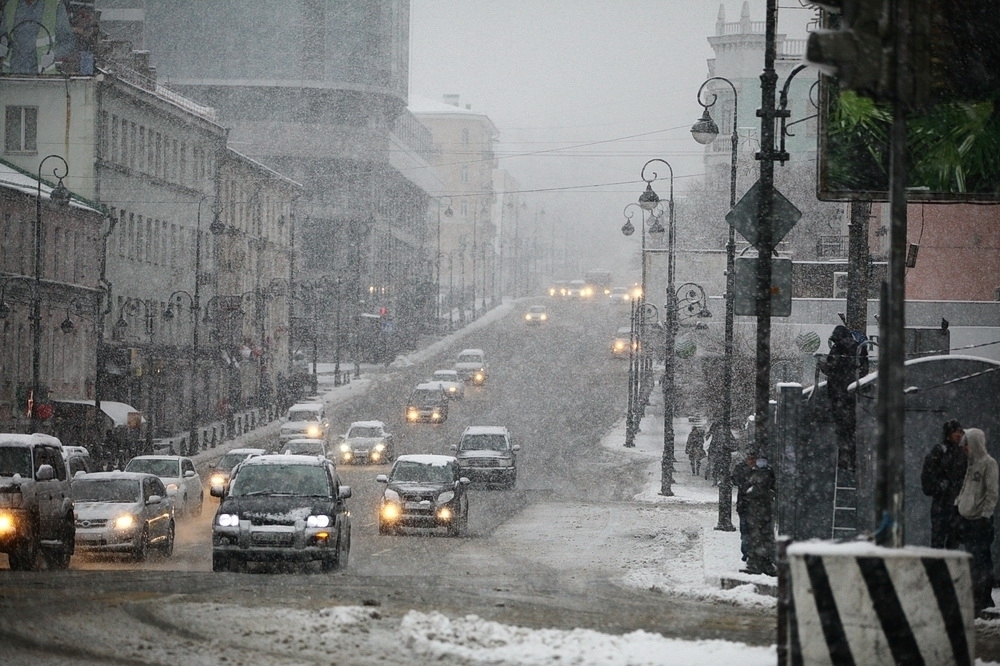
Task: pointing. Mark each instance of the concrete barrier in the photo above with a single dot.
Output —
(858, 603)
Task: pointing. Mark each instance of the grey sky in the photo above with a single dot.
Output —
(601, 85)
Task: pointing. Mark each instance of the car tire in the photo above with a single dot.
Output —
(167, 549)
(140, 551)
(221, 562)
(58, 559)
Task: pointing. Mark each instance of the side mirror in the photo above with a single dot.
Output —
(283, 419)
(516, 447)
(345, 492)
(154, 499)
(217, 490)
(342, 437)
(45, 473)
(464, 481)
(382, 478)
(453, 447)
(190, 473)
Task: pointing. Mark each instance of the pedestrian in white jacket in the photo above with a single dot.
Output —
(976, 502)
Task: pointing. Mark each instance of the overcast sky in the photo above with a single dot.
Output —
(583, 92)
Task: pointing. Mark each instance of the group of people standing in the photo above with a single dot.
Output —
(963, 482)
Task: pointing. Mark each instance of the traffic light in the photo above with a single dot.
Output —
(854, 46)
(953, 52)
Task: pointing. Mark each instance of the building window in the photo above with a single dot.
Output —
(21, 129)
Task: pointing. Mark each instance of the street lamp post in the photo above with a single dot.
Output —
(437, 263)
(60, 196)
(704, 132)
(649, 200)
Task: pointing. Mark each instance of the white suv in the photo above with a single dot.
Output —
(36, 504)
(304, 419)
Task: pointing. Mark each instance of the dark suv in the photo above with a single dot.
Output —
(281, 508)
(487, 454)
(424, 491)
(428, 402)
(36, 504)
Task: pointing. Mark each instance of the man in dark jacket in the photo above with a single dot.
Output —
(741, 481)
(845, 363)
(941, 479)
(760, 507)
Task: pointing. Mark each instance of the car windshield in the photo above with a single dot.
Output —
(295, 480)
(445, 376)
(304, 448)
(409, 471)
(484, 443)
(470, 358)
(364, 431)
(158, 466)
(303, 415)
(425, 397)
(15, 460)
(536, 310)
(106, 490)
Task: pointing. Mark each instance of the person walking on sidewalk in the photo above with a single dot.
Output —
(740, 479)
(976, 502)
(695, 449)
(941, 478)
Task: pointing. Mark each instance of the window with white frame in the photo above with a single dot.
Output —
(21, 129)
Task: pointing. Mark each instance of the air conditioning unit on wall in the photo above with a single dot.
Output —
(839, 284)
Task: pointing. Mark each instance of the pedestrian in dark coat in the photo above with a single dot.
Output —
(941, 478)
(760, 508)
(976, 502)
(695, 449)
(845, 363)
(718, 453)
(740, 479)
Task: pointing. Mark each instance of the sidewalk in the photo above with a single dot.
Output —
(720, 550)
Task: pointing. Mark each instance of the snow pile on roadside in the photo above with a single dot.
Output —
(479, 640)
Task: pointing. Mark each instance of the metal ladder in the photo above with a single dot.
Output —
(845, 505)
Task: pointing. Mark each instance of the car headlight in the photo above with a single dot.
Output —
(318, 521)
(412, 415)
(390, 511)
(172, 488)
(444, 513)
(390, 496)
(124, 521)
(544, 317)
(380, 446)
(435, 414)
(7, 523)
(527, 317)
(227, 520)
(452, 389)
(217, 480)
(314, 432)
(345, 447)
(446, 497)
(479, 376)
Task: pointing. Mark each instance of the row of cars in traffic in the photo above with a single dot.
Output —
(285, 502)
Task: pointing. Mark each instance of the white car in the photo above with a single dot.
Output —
(304, 419)
(471, 366)
(453, 385)
(179, 476)
(123, 512)
(304, 446)
(367, 441)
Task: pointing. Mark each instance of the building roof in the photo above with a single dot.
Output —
(13, 178)
(424, 106)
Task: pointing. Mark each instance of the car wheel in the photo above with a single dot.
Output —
(167, 549)
(221, 562)
(140, 550)
(24, 556)
(59, 558)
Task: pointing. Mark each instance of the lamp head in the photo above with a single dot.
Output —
(67, 325)
(705, 130)
(59, 195)
(168, 314)
(648, 200)
(656, 227)
(628, 228)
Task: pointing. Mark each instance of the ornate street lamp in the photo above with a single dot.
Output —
(704, 132)
(649, 200)
(59, 196)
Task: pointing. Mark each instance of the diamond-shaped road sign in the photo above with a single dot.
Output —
(743, 216)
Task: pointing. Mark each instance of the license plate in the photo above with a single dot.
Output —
(417, 505)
